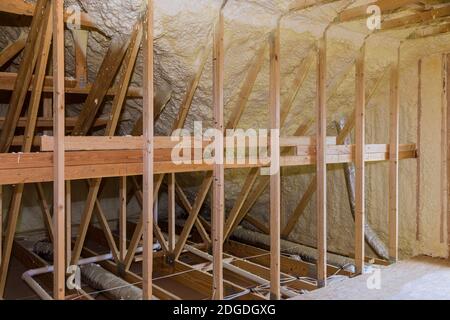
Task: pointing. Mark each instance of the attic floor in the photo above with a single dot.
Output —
(422, 278)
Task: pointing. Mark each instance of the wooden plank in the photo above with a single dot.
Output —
(360, 98)
(444, 155)
(7, 80)
(59, 161)
(123, 218)
(46, 215)
(68, 221)
(385, 6)
(171, 212)
(394, 112)
(419, 149)
(431, 31)
(447, 99)
(147, 185)
(321, 166)
(218, 187)
(275, 177)
(80, 39)
(417, 18)
(13, 49)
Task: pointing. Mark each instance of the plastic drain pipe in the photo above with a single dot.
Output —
(241, 272)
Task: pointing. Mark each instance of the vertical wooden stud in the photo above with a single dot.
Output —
(360, 97)
(68, 221)
(58, 153)
(147, 186)
(218, 208)
(123, 218)
(171, 211)
(275, 177)
(393, 160)
(321, 167)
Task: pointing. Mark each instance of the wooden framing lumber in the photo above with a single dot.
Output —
(58, 154)
(321, 166)
(8, 79)
(23, 8)
(360, 98)
(147, 185)
(393, 159)
(80, 39)
(36, 167)
(360, 12)
(46, 215)
(13, 49)
(275, 177)
(123, 218)
(171, 213)
(218, 187)
(417, 18)
(431, 31)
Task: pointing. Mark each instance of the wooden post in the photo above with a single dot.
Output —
(58, 153)
(147, 186)
(393, 160)
(360, 98)
(1, 223)
(68, 221)
(321, 167)
(275, 177)
(218, 207)
(123, 218)
(447, 89)
(171, 211)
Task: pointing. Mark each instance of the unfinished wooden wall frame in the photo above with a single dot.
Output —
(63, 159)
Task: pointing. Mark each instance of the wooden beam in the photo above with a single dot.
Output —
(13, 49)
(321, 166)
(360, 98)
(68, 221)
(123, 218)
(393, 159)
(360, 12)
(275, 177)
(71, 86)
(46, 215)
(23, 8)
(417, 18)
(305, 4)
(147, 186)
(431, 31)
(171, 212)
(47, 122)
(59, 161)
(218, 188)
(80, 39)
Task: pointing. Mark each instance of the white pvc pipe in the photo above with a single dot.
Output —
(28, 275)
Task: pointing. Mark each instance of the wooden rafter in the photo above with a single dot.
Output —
(13, 49)
(416, 18)
(360, 12)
